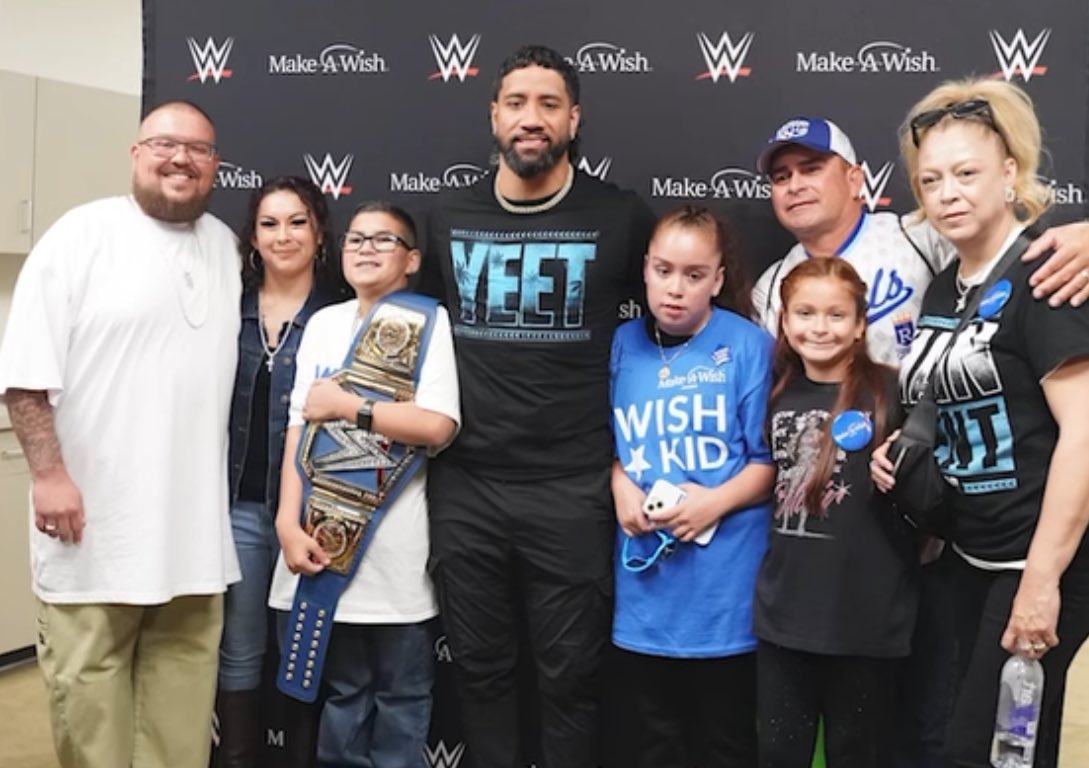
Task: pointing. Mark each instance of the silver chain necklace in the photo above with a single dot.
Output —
(270, 351)
(542, 206)
(663, 372)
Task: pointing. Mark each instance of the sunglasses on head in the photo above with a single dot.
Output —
(973, 108)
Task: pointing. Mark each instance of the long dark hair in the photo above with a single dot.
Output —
(736, 293)
(864, 385)
(327, 273)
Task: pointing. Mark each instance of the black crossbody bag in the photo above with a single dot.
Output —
(921, 491)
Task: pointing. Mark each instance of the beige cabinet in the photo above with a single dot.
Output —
(61, 145)
(17, 118)
(17, 603)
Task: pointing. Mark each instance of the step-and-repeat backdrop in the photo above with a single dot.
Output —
(390, 100)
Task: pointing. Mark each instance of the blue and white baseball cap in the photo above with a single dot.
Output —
(813, 132)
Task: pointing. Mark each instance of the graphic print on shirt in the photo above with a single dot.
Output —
(888, 292)
(522, 285)
(678, 429)
(795, 446)
(974, 438)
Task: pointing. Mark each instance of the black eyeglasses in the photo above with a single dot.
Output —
(165, 148)
(973, 108)
(383, 242)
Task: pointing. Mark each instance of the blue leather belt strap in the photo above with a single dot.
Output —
(351, 477)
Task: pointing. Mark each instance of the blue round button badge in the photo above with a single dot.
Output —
(995, 299)
(852, 430)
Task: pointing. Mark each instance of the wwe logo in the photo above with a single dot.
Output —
(331, 178)
(441, 757)
(210, 59)
(454, 58)
(1019, 56)
(599, 171)
(724, 57)
(873, 185)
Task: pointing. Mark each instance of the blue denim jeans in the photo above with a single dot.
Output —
(377, 680)
(245, 623)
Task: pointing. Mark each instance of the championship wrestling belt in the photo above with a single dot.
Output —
(351, 477)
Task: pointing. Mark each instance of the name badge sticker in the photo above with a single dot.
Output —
(852, 430)
(995, 299)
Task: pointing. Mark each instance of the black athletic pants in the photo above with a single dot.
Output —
(536, 552)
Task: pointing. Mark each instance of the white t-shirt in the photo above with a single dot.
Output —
(130, 324)
(391, 585)
(894, 271)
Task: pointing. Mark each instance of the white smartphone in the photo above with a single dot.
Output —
(662, 496)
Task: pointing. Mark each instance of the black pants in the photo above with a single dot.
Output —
(796, 689)
(682, 713)
(927, 680)
(983, 600)
(538, 552)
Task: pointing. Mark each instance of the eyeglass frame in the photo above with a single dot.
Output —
(667, 545)
(363, 238)
(200, 151)
(961, 110)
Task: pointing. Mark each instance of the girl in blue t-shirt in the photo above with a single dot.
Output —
(836, 596)
(689, 390)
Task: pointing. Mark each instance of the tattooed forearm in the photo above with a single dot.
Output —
(32, 417)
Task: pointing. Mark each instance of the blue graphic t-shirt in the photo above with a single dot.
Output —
(995, 431)
(701, 423)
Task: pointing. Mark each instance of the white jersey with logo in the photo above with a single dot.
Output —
(897, 264)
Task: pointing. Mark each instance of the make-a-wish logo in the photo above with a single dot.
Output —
(210, 59)
(725, 184)
(878, 56)
(335, 59)
(598, 170)
(231, 176)
(1018, 56)
(724, 57)
(457, 176)
(329, 175)
(441, 756)
(873, 185)
(1063, 194)
(454, 58)
(609, 58)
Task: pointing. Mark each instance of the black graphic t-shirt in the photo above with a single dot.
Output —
(534, 300)
(839, 580)
(995, 431)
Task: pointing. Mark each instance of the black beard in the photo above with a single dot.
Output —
(159, 207)
(535, 166)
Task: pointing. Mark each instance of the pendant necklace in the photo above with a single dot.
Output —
(541, 207)
(269, 350)
(663, 372)
(962, 286)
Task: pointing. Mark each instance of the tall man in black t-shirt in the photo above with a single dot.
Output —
(533, 263)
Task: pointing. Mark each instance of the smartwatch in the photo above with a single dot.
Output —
(364, 415)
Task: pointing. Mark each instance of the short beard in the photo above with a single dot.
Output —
(157, 206)
(536, 166)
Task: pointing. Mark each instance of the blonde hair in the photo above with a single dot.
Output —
(1015, 123)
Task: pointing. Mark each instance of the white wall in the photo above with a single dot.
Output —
(96, 43)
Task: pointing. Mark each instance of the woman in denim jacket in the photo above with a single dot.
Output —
(286, 277)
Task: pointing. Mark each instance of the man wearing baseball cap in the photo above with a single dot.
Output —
(816, 185)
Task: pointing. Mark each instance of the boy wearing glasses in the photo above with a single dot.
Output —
(375, 391)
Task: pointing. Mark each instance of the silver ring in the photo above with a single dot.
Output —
(1085, 273)
(49, 527)
(1039, 646)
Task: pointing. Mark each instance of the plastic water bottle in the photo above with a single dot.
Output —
(1020, 694)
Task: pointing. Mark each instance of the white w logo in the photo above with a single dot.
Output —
(331, 178)
(724, 57)
(454, 58)
(600, 171)
(441, 757)
(1019, 56)
(873, 185)
(210, 60)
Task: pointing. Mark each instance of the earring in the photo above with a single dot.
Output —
(253, 259)
(1010, 195)
(319, 258)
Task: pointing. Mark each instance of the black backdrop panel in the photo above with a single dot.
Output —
(390, 99)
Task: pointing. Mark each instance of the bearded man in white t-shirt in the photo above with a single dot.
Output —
(116, 367)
